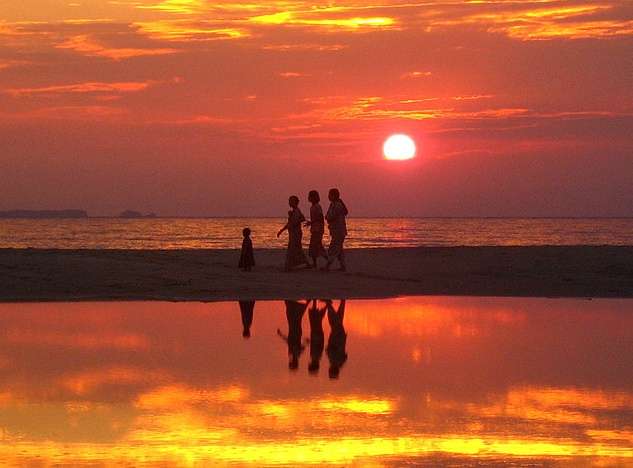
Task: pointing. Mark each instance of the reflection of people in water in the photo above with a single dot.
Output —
(294, 315)
(246, 309)
(338, 338)
(317, 338)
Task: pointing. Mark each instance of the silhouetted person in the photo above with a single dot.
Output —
(317, 337)
(294, 255)
(317, 228)
(338, 338)
(294, 315)
(246, 309)
(247, 259)
(335, 217)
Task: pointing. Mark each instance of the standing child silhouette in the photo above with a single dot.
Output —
(247, 259)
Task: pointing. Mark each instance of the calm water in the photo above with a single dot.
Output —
(364, 232)
(423, 381)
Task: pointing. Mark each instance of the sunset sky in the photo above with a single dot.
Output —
(196, 107)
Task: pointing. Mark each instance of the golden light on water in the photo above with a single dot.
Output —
(399, 148)
(504, 379)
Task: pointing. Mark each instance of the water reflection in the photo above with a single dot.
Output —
(430, 381)
(338, 338)
(246, 311)
(317, 337)
(336, 353)
(294, 315)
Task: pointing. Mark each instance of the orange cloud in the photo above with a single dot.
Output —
(303, 47)
(190, 31)
(475, 97)
(88, 87)
(535, 22)
(84, 45)
(12, 63)
(292, 75)
(416, 74)
(382, 108)
(176, 6)
(87, 112)
(527, 20)
(291, 18)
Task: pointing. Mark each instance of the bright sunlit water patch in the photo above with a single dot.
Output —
(421, 381)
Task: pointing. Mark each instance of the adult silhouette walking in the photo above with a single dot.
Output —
(336, 214)
(317, 228)
(294, 255)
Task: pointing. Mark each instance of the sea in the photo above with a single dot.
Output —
(225, 233)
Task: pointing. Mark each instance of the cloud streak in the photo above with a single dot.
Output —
(87, 87)
(85, 45)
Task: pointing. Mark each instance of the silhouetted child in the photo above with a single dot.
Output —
(247, 259)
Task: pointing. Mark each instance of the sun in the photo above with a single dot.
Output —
(399, 148)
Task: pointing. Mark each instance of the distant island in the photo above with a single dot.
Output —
(44, 214)
(131, 214)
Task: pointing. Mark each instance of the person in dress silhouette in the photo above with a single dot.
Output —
(247, 258)
(294, 314)
(336, 214)
(246, 310)
(317, 228)
(317, 337)
(294, 255)
(337, 341)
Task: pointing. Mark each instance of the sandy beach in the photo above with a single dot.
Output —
(209, 275)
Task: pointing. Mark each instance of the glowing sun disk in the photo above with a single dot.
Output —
(399, 148)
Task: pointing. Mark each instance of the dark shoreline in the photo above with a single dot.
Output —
(211, 275)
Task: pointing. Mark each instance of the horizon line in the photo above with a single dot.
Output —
(349, 217)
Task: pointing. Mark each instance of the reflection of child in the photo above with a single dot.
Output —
(247, 259)
(246, 309)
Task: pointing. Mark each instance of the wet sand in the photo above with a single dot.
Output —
(209, 275)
